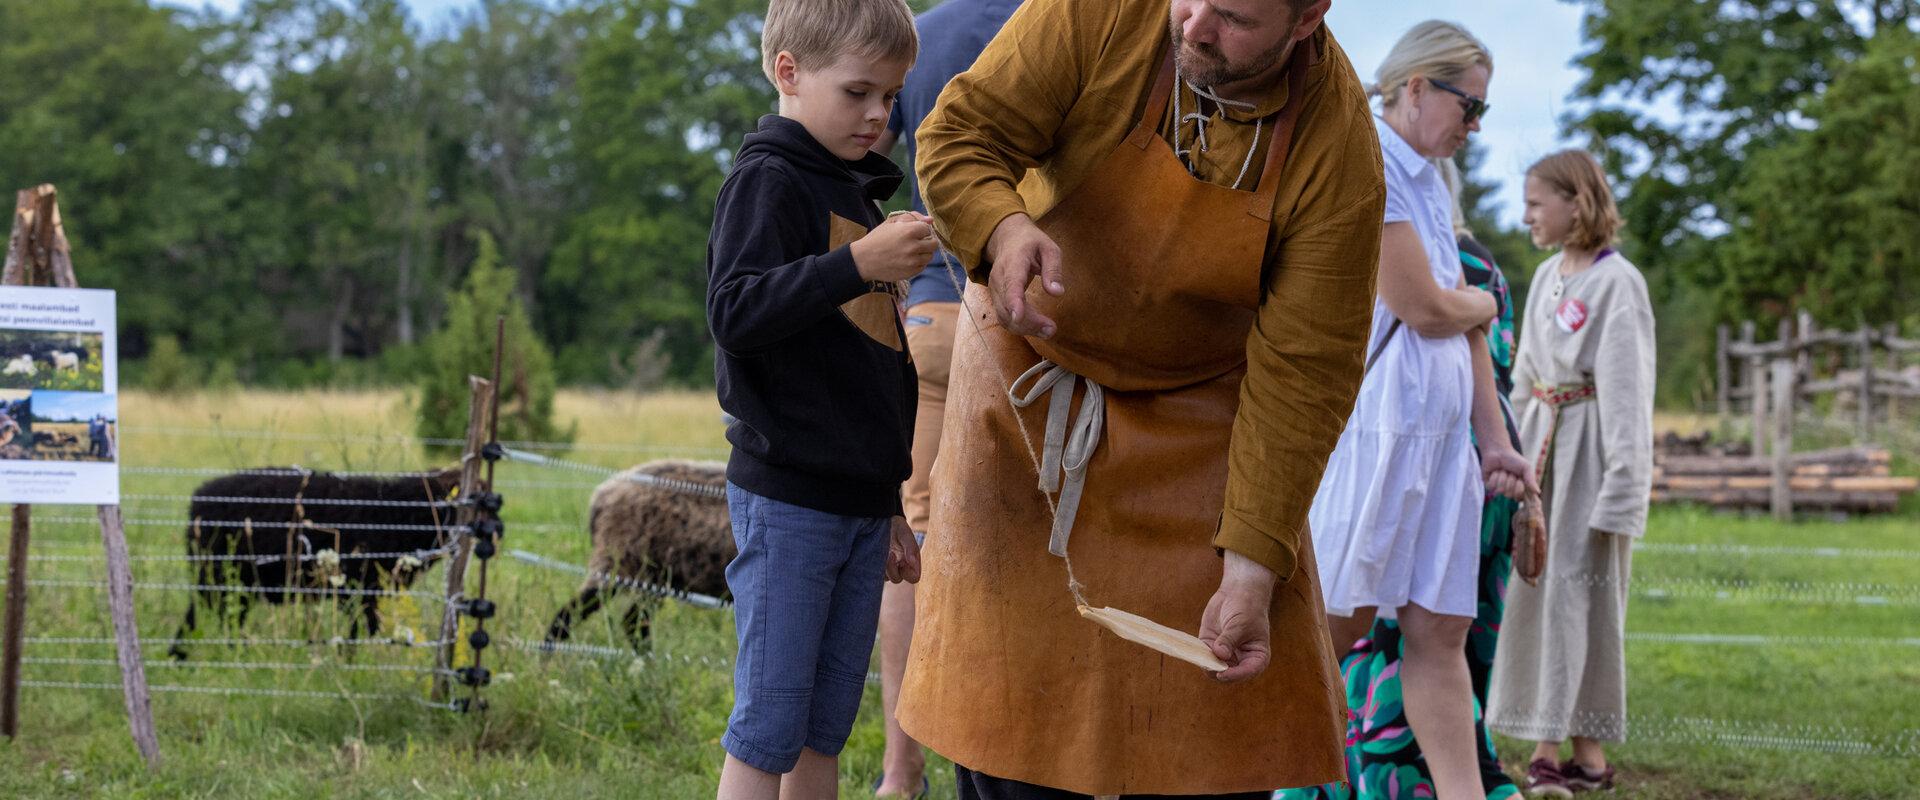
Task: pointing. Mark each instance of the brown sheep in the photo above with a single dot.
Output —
(663, 523)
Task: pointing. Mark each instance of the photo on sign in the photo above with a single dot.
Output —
(74, 426)
(63, 360)
(16, 425)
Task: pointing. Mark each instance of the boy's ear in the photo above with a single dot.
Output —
(786, 73)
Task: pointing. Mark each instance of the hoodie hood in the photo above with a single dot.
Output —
(875, 175)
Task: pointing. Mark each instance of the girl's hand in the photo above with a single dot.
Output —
(903, 553)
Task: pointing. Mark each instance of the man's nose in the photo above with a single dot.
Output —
(1201, 26)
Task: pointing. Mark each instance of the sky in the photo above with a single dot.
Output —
(1533, 43)
(72, 405)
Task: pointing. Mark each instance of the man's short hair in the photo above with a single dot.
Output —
(818, 33)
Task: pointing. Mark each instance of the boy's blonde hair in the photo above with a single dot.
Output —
(1435, 49)
(1577, 176)
(818, 33)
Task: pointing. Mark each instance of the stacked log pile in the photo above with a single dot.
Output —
(1849, 479)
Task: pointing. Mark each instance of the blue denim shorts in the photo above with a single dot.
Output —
(806, 603)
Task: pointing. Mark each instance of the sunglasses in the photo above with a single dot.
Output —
(1475, 107)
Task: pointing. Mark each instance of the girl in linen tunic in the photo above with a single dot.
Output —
(1560, 670)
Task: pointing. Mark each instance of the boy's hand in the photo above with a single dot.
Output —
(903, 553)
(897, 249)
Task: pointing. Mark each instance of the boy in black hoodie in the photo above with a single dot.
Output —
(804, 282)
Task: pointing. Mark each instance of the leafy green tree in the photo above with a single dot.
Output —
(129, 110)
(667, 90)
(465, 345)
(1830, 219)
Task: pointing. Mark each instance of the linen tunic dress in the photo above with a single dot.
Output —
(1397, 516)
(1560, 669)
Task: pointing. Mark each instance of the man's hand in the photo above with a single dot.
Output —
(896, 249)
(1238, 624)
(903, 553)
(1019, 251)
(1507, 473)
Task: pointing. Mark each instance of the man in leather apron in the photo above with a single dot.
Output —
(1196, 188)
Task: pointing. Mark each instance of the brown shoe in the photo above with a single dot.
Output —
(1544, 779)
(1581, 779)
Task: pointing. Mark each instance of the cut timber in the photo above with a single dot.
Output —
(1155, 636)
(1856, 483)
(1828, 499)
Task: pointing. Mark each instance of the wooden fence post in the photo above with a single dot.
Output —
(1723, 380)
(1865, 343)
(1783, 389)
(479, 410)
(1757, 404)
(38, 254)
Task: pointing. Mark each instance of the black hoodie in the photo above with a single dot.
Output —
(811, 360)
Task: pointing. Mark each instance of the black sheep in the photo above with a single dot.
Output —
(274, 517)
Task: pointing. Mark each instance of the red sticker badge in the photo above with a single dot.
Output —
(1571, 315)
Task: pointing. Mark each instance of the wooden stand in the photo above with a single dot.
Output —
(37, 255)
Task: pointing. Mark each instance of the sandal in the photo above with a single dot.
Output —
(926, 786)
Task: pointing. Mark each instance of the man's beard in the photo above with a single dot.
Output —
(1205, 65)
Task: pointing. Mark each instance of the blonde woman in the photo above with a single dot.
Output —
(1396, 521)
(1583, 388)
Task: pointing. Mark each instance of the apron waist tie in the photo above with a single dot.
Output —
(1066, 451)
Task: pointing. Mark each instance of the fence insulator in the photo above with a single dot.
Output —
(479, 609)
(483, 549)
(492, 451)
(467, 704)
(489, 502)
(489, 527)
(479, 640)
(474, 676)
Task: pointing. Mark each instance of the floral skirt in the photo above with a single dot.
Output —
(1383, 759)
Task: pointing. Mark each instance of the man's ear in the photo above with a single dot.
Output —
(1310, 20)
(786, 73)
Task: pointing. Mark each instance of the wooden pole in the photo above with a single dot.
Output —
(1723, 380)
(1757, 384)
(1864, 341)
(479, 412)
(20, 261)
(43, 258)
(1792, 345)
(133, 672)
(1782, 379)
(16, 620)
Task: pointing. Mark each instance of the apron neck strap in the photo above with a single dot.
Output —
(1261, 206)
(1145, 128)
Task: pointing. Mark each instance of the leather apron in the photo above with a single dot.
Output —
(1163, 276)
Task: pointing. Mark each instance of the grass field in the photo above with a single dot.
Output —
(1766, 660)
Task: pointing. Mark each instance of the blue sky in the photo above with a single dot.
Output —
(1533, 43)
(79, 406)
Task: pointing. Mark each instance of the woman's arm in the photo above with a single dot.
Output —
(1407, 287)
(1506, 471)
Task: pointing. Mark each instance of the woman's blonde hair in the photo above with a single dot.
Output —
(1456, 184)
(1576, 175)
(1435, 49)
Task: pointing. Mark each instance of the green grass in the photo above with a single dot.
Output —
(583, 727)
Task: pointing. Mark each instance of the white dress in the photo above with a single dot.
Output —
(1397, 517)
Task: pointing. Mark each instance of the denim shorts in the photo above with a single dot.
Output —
(806, 603)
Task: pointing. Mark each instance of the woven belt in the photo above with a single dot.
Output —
(1556, 396)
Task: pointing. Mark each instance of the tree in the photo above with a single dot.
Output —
(128, 110)
(465, 347)
(1740, 72)
(667, 91)
(1716, 198)
(1830, 219)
